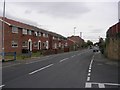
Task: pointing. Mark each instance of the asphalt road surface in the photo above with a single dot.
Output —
(78, 69)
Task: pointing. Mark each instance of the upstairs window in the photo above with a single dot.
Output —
(29, 32)
(14, 44)
(14, 29)
(24, 31)
(36, 34)
(39, 34)
(43, 34)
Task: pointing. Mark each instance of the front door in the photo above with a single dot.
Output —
(30, 45)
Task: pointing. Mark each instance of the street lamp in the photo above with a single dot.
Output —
(74, 30)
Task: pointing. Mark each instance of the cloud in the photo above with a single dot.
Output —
(56, 9)
(64, 9)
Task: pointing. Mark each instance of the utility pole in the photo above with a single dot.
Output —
(3, 28)
(74, 30)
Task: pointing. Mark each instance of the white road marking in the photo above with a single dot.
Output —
(88, 78)
(89, 68)
(11, 65)
(89, 71)
(41, 69)
(107, 83)
(73, 56)
(2, 86)
(101, 85)
(63, 59)
(88, 85)
(89, 74)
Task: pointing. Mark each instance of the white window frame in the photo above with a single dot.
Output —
(29, 32)
(39, 34)
(14, 43)
(59, 44)
(14, 29)
(47, 44)
(26, 45)
(36, 34)
(35, 44)
(24, 31)
(43, 34)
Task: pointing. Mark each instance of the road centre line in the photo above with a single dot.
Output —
(41, 69)
(63, 59)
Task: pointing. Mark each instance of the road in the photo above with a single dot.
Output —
(78, 69)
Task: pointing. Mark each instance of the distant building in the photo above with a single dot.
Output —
(113, 42)
(75, 41)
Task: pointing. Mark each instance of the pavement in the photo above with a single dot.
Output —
(77, 69)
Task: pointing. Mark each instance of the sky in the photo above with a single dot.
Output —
(91, 17)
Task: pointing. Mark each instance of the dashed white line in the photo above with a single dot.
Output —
(89, 74)
(41, 69)
(89, 71)
(88, 78)
(63, 59)
(2, 86)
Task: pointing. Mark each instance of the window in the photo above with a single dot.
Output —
(14, 30)
(59, 44)
(35, 44)
(39, 33)
(43, 35)
(47, 44)
(44, 44)
(29, 32)
(24, 31)
(36, 34)
(24, 44)
(14, 44)
(46, 35)
(53, 37)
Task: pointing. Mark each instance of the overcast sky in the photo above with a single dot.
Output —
(92, 18)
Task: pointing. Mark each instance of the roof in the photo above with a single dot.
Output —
(11, 22)
(113, 30)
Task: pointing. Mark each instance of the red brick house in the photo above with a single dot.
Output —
(113, 42)
(75, 41)
(19, 36)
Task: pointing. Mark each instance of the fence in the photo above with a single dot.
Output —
(8, 56)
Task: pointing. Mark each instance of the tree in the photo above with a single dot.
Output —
(89, 43)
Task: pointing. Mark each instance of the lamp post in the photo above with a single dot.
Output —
(3, 28)
(74, 30)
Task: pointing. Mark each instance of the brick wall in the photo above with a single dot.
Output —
(113, 49)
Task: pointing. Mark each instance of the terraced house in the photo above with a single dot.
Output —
(19, 36)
